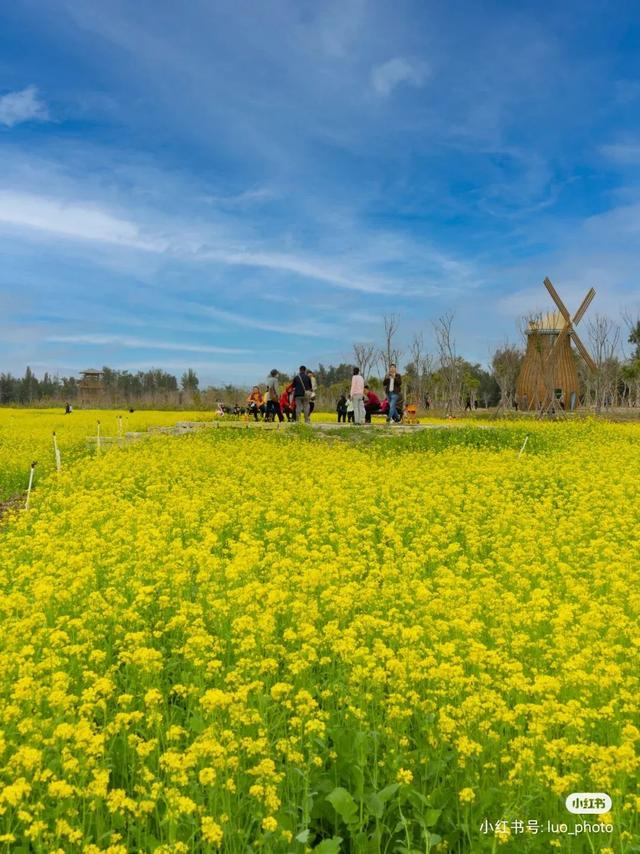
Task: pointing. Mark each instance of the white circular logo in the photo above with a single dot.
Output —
(588, 803)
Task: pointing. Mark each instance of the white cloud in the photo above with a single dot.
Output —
(22, 106)
(84, 222)
(385, 77)
(302, 327)
(141, 343)
(88, 222)
(292, 263)
(622, 152)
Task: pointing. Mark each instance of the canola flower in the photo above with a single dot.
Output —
(26, 435)
(241, 640)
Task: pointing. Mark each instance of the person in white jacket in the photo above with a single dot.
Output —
(349, 410)
(357, 395)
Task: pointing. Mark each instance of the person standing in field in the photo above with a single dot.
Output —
(273, 398)
(349, 410)
(357, 395)
(392, 388)
(302, 391)
(341, 409)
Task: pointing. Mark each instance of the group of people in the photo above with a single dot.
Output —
(294, 403)
(297, 401)
(362, 402)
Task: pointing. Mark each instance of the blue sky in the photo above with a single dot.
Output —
(236, 186)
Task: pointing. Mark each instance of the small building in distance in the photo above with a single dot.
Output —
(90, 387)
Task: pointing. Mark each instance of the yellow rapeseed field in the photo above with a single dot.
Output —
(26, 435)
(253, 641)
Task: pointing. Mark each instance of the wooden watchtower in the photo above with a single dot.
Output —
(90, 387)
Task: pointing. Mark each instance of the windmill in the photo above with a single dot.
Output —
(548, 380)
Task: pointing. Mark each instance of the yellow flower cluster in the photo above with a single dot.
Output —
(241, 639)
(26, 435)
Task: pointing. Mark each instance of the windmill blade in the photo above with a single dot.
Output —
(555, 296)
(586, 302)
(583, 351)
(557, 344)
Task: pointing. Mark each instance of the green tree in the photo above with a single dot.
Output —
(634, 338)
(190, 381)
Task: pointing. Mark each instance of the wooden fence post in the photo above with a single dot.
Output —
(56, 451)
(31, 472)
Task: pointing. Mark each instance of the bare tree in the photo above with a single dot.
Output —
(389, 354)
(505, 365)
(427, 375)
(450, 364)
(365, 356)
(420, 362)
(604, 336)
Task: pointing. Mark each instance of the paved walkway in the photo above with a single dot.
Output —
(182, 427)
(191, 426)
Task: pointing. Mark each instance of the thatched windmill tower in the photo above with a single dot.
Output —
(548, 377)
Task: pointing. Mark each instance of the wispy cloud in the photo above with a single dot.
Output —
(622, 152)
(385, 77)
(73, 220)
(321, 270)
(302, 327)
(88, 222)
(22, 106)
(142, 344)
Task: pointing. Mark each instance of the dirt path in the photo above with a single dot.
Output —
(13, 503)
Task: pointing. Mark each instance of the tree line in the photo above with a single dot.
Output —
(118, 386)
(435, 375)
(440, 375)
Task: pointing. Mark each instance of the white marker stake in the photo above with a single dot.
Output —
(56, 451)
(524, 445)
(33, 467)
(98, 446)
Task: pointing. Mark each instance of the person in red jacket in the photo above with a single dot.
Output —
(287, 406)
(371, 404)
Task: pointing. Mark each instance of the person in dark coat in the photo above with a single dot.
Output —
(302, 393)
(341, 409)
(392, 384)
